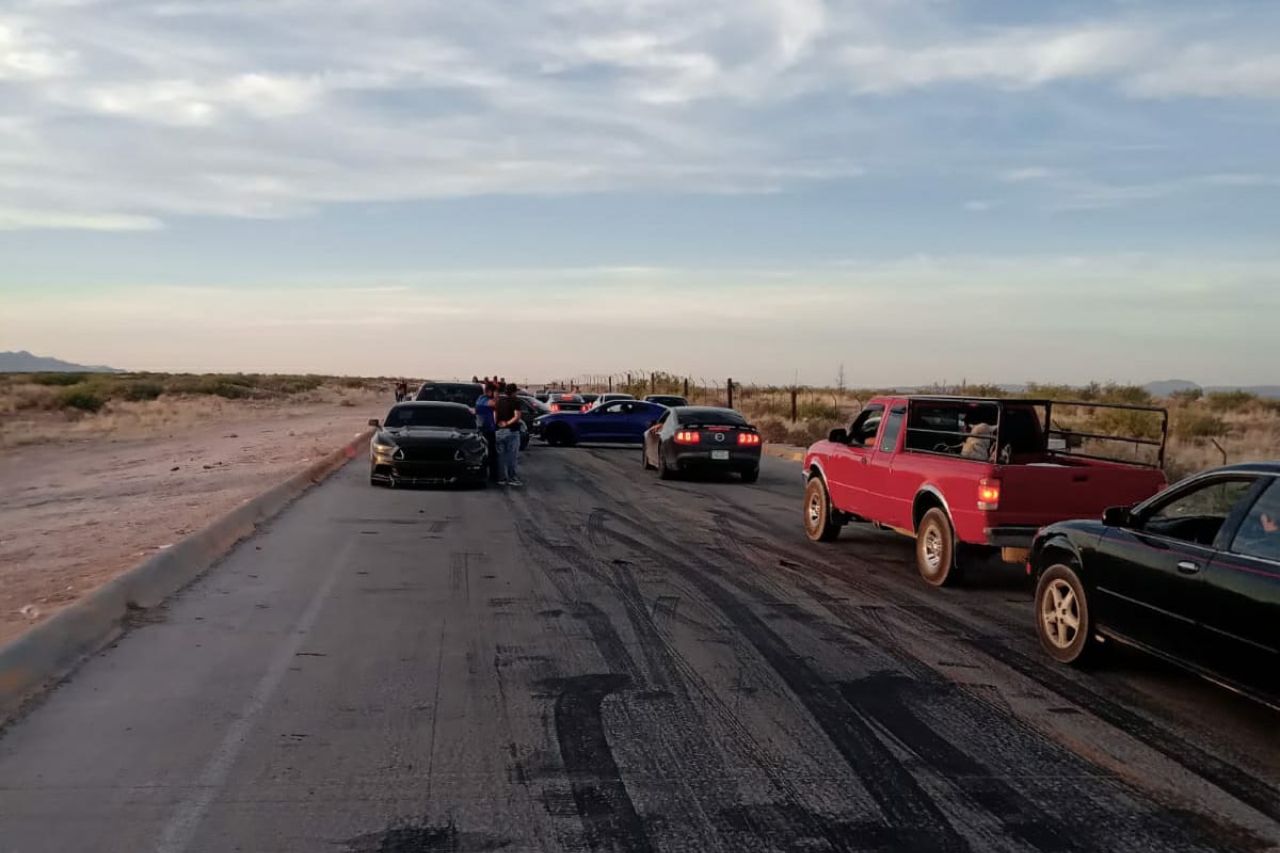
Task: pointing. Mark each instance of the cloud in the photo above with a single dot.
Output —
(275, 109)
(12, 219)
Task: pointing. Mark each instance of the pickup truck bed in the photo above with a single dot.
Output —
(956, 472)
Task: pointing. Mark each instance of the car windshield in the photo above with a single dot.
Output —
(703, 417)
(450, 392)
(430, 416)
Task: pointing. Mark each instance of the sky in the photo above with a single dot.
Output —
(919, 190)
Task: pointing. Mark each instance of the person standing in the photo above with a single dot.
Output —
(485, 420)
(507, 420)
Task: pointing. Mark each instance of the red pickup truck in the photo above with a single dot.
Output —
(960, 473)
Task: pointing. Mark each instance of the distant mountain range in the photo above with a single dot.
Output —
(1166, 387)
(24, 362)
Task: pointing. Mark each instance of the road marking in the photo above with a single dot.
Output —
(181, 829)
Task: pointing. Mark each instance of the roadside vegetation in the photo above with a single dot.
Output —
(1205, 430)
(37, 406)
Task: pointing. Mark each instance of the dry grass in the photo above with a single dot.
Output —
(36, 408)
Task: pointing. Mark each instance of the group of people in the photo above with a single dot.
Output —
(499, 415)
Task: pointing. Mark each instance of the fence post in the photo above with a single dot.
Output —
(795, 416)
(653, 383)
(611, 383)
(729, 386)
(686, 387)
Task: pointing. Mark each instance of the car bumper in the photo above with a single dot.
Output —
(738, 460)
(1013, 541)
(428, 473)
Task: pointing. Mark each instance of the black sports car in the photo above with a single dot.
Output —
(428, 443)
(668, 400)
(1191, 575)
(700, 438)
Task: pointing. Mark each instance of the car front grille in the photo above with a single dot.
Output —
(426, 454)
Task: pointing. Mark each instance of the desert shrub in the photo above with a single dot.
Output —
(1125, 422)
(1231, 401)
(1048, 391)
(1196, 424)
(1134, 395)
(1187, 395)
(138, 391)
(80, 398)
(772, 430)
(57, 379)
(805, 433)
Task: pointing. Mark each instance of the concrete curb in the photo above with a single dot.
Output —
(785, 451)
(53, 649)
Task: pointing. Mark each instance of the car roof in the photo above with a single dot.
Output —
(1248, 468)
(681, 410)
(430, 404)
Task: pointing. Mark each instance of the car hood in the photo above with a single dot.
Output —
(426, 436)
(1081, 527)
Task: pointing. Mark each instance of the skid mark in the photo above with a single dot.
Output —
(609, 818)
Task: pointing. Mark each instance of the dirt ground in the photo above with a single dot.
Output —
(81, 502)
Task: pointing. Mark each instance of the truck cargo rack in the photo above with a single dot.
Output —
(1067, 438)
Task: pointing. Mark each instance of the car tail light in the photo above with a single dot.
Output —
(988, 495)
(555, 407)
(587, 407)
(688, 436)
(748, 439)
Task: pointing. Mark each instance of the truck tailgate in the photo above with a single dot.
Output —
(1043, 494)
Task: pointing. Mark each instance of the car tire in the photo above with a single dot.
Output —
(664, 473)
(1060, 601)
(524, 441)
(936, 549)
(751, 475)
(819, 522)
(560, 435)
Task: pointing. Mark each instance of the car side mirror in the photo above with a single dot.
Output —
(373, 422)
(839, 435)
(1117, 516)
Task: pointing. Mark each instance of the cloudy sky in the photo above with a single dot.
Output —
(919, 189)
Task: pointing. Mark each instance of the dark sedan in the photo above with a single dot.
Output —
(465, 393)
(700, 438)
(671, 401)
(530, 410)
(564, 401)
(1191, 575)
(423, 443)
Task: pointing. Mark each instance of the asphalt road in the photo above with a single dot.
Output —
(605, 662)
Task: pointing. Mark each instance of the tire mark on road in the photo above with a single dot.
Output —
(609, 818)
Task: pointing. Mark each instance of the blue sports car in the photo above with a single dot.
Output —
(615, 421)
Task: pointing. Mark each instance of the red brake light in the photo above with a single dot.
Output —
(988, 494)
(688, 436)
(555, 407)
(748, 439)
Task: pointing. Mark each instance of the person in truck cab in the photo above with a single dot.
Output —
(1259, 535)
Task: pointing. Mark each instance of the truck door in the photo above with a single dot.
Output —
(889, 501)
(847, 467)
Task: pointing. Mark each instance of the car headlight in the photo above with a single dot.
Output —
(384, 445)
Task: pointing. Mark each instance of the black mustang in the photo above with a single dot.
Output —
(1191, 575)
(428, 443)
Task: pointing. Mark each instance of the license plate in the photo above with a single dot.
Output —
(720, 454)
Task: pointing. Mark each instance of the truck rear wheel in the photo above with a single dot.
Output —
(819, 524)
(936, 549)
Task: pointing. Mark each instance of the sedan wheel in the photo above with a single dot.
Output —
(1062, 616)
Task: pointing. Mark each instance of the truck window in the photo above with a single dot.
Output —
(956, 429)
(866, 425)
(889, 441)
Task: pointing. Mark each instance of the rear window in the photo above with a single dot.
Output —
(699, 417)
(430, 416)
(450, 392)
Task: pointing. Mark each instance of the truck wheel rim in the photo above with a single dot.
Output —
(933, 549)
(815, 509)
(1060, 614)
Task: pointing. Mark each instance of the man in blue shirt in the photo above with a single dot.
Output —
(488, 426)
